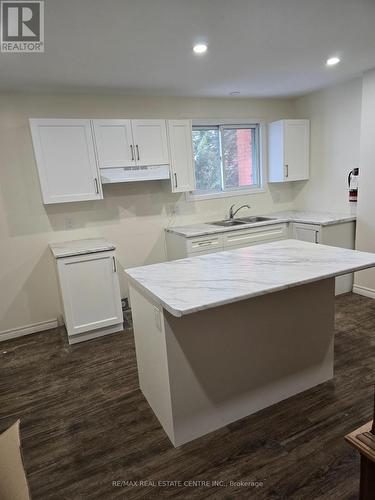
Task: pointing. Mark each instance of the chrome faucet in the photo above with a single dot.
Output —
(233, 213)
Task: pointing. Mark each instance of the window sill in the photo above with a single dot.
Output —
(226, 194)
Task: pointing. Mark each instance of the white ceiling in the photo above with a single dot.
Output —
(257, 47)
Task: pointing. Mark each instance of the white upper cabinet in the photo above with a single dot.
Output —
(65, 157)
(150, 142)
(114, 143)
(288, 150)
(75, 156)
(181, 152)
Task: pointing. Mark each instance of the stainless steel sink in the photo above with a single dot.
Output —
(238, 222)
(228, 222)
(249, 220)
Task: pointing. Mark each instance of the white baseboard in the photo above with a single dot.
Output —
(365, 291)
(27, 330)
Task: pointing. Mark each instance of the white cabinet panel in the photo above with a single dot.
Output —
(64, 152)
(90, 291)
(306, 232)
(150, 141)
(114, 143)
(288, 150)
(181, 151)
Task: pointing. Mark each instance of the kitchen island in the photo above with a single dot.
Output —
(221, 336)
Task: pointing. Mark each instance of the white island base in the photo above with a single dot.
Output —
(204, 370)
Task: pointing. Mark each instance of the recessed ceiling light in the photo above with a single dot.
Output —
(200, 48)
(332, 61)
(235, 92)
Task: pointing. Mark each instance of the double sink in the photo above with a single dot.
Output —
(238, 222)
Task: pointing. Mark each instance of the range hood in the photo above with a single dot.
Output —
(134, 173)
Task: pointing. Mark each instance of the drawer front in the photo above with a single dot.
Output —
(247, 237)
(205, 243)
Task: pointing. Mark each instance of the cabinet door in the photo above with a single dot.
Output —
(181, 151)
(306, 232)
(90, 291)
(296, 149)
(114, 143)
(150, 141)
(65, 157)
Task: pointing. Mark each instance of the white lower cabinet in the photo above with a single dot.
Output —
(335, 235)
(179, 246)
(306, 232)
(90, 295)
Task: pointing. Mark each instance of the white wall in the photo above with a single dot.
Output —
(133, 216)
(365, 238)
(335, 115)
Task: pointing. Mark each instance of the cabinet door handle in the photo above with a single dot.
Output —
(131, 149)
(316, 236)
(175, 181)
(114, 264)
(286, 170)
(137, 147)
(96, 185)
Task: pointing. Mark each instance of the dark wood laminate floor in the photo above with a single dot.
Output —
(85, 423)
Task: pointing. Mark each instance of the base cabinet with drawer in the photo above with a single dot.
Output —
(90, 295)
(179, 247)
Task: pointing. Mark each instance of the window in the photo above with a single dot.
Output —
(226, 159)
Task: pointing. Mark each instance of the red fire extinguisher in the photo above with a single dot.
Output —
(353, 184)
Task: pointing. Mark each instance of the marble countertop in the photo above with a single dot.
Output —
(303, 216)
(311, 217)
(189, 285)
(78, 247)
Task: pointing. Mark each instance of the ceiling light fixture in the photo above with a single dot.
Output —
(332, 61)
(235, 92)
(200, 48)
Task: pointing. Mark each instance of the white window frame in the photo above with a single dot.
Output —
(192, 196)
